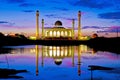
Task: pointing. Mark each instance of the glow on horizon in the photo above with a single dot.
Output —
(18, 16)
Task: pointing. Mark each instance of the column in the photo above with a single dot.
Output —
(37, 24)
(79, 25)
(42, 28)
(73, 25)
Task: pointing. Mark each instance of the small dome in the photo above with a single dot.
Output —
(58, 23)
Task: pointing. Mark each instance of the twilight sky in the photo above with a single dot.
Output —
(101, 16)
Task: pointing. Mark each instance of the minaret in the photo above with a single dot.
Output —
(79, 24)
(73, 24)
(37, 57)
(42, 28)
(37, 24)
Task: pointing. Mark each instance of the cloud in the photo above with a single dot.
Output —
(65, 18)
(26, 5)
(99, 4)
(28, 11)
(2, 22)
(6, 23)
(110, 29)
(110, 15)
(50, 15)
(59, 17)
(93, 27)
(114, 29)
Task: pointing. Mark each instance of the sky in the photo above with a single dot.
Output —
(97, 16)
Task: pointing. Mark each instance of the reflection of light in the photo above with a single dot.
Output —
(57, 60)
(32, 50)
(59, 52)
(49, 47)
(83, 48)
(54, 52)
(50, 53)
(62, 54)
(46, 55)
(65, 52)
(54, 47)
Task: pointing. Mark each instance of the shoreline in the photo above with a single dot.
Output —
(98, 44)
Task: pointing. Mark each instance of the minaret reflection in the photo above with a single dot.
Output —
(42, 63)
(73, 56)
(37, 57)
(79, 60)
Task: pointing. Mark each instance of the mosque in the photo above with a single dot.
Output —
(58, 31)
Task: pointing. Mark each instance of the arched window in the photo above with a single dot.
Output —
(62, 33)
(50, 33)
(66, 34)
(70, 33)
(54, 34)
(58, 33)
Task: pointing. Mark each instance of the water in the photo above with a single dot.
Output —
(59, 62)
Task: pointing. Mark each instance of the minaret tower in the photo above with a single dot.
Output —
(73, 24)
(79, 24)
(37, 24)
(42, 28)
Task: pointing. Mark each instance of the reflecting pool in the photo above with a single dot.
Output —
(60, 63)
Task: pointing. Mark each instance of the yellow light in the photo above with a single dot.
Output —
(32, 38)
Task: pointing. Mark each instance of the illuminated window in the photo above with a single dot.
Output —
(62, 33)
(54, 34)
(66, 33)
(58, 34)
(70, 33)
(50, 33)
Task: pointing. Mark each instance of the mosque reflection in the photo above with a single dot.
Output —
(58, 53)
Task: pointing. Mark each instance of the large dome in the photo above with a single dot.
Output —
(58, 23)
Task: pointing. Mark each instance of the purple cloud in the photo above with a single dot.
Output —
(93, 27)
(114, 29)
(110, 15)
(59, 17)
(50, 15)
(110, 29)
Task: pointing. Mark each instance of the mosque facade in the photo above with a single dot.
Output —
(58, 32)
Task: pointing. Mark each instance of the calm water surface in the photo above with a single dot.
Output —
(60, 62)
